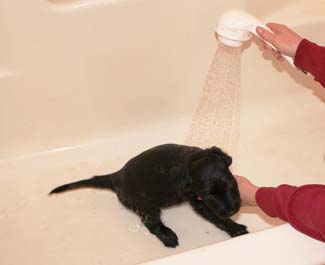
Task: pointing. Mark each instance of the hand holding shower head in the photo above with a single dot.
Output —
(236, 27)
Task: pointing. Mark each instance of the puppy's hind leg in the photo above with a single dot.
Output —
(227, 225)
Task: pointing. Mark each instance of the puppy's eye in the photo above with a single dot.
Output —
(210, 197)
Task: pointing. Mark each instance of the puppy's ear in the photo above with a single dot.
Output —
(225, 157)
(202, 165)
(228, 160)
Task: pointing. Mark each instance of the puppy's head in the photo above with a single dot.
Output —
(213, 183)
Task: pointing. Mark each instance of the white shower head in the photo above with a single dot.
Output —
(236, 27)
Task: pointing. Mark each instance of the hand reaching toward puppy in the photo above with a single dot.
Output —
(247, 191)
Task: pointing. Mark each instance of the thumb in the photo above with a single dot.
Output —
(265, 34)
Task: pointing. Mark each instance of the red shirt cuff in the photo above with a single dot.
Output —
(301, 56)
(309, 58)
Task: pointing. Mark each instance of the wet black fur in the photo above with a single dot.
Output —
(169, 174)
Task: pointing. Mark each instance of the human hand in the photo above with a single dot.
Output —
(282, 38)
(247, 191)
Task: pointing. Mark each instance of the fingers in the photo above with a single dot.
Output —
(276, 37)
(241, 179)
(266, 46)
(265, 34)
(276, 54)
(247, 190)
(275, 27)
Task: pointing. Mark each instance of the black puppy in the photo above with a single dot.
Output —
(169, 174)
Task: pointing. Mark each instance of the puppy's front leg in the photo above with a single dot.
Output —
(164, 233)
(227, 225)
(150, 216)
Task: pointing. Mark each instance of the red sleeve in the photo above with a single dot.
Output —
(303, 207)
(310, 57)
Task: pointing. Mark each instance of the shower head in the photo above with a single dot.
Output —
(236, 27)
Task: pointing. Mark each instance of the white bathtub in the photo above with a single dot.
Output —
(85, 85)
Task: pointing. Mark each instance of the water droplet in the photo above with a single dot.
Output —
(134, 228)
(145, 231)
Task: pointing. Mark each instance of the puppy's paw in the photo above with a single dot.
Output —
(237, 230)
(168, 237)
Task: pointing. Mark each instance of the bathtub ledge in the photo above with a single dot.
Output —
(278, 245)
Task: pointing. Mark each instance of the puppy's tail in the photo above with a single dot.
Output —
(101, 182)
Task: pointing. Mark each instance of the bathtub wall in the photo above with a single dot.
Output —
(261, 9)
(130, 72)
(74, 72)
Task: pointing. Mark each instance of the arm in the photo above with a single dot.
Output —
(311, 58)
(308, 56)
(303, 207)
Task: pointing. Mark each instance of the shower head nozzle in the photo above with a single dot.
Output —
(236, 27)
